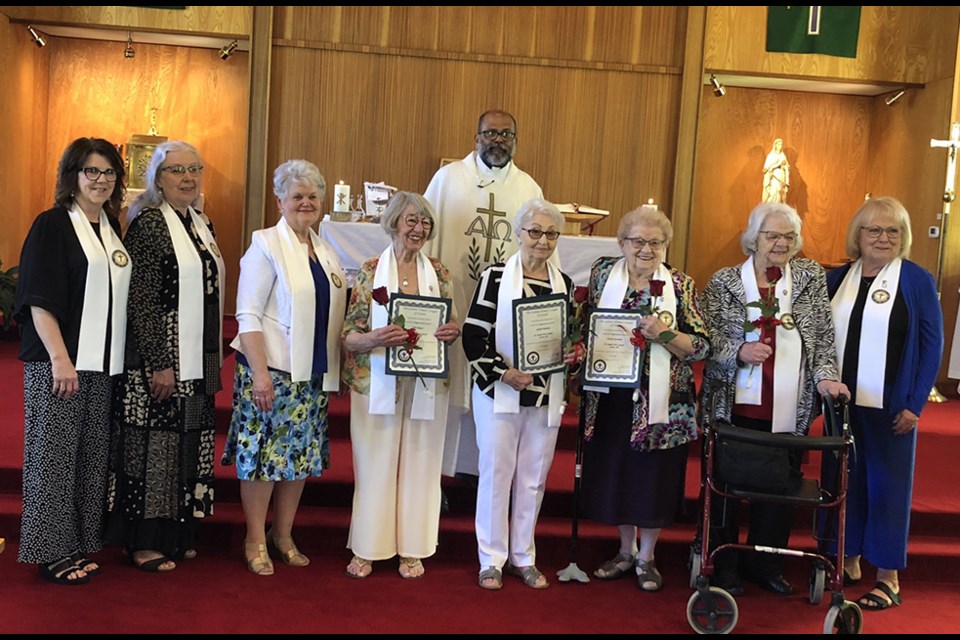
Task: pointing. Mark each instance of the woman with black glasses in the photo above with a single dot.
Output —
(72, 306)
(163, 444)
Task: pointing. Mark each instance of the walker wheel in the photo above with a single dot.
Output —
(818, 580)
(694, 564)
(719, 616)
(844, 619)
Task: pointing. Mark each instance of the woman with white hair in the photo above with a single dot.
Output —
(517, 414)
(290, 304)
(889, 342)
(766, 378)
(163, 448)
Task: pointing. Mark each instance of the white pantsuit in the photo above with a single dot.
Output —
(396, 461)
(516, 451)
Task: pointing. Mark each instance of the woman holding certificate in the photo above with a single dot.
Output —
(398, 422)
(290, 304)
(517, 412)
(773, 353)
(636, 439)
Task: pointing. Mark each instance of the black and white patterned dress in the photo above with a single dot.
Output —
(162, 453)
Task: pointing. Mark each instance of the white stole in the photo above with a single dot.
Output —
(383, 387)
(872, 367)
(506, 399)
(614, 289)
(108, 265)
(295, 259)
(190, 283)
(788, 364)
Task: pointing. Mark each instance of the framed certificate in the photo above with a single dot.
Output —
(425, 314)
(539, 328)
(611, 360)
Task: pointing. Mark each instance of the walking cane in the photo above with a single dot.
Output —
(573, 572)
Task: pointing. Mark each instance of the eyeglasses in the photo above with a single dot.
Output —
(179, 169)
(774, 236)
(413, 221)
(506, 134)
(874, 232)
(536, 234)
(93, 174)
(640, 243)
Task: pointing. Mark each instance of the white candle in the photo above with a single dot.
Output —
(341, 197)
(650, 205)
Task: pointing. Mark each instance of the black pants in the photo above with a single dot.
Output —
(770, 524)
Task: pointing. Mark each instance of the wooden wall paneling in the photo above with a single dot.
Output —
(23, 76)
(604, 138)
(910, 44)
(583, 34)
(258, 181)
(687, 128)
(217, 20)
(826, 139)
(200, 98)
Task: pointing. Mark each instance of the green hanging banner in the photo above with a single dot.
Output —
(832, 31)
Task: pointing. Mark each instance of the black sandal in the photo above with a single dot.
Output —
(84, 563)
(872, 602)
(152, 565)
(60, 571)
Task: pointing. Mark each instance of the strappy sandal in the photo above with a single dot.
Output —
(615, 568)
(648, 575)
(411, 568)
(85, 564)
(60, 571)
(291, 556)
(260, 565)
(152, 565)
(530, 576)
(359, 568)
(872, 602)
(490, 573)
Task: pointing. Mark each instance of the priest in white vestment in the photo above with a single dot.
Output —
(475, 199)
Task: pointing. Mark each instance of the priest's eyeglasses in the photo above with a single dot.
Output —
(874, 232)
(179, 169)
(93, 174)
(640, 243)
(536, 234)
(506, 134)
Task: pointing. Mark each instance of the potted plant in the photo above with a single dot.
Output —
(8, 291)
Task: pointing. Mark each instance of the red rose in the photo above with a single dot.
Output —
(580, 295)
(638, 340)
(656, 287)
(773, 274)
(380, 296)
(412, 339)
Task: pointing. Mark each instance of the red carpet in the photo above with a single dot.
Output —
(215, 593)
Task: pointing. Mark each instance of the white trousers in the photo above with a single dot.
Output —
(396, 468)
(516, 451)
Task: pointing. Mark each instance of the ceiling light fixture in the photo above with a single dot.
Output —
(37, 38)
(718, 89)
(129, 52)
(227, 50)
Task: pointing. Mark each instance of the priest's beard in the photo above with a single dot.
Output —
(495, 155)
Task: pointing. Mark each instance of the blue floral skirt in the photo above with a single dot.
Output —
(287, 443)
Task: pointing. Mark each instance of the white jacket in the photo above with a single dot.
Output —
(265, 302)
